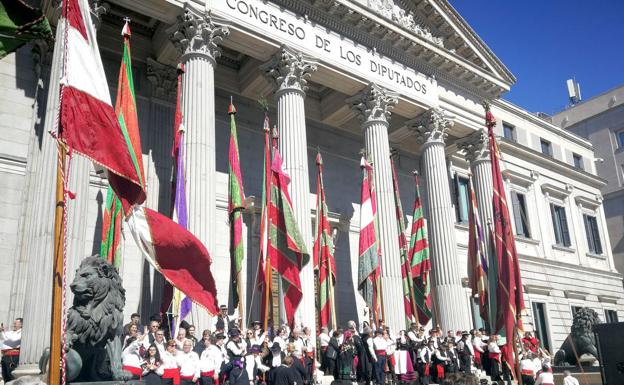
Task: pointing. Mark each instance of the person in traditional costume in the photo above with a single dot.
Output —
(256, 370)
(440, 361)
(453, 364)
(425, 358)
(545, 377)
(527, 369)
(171, 371)
(381, 351)
(188, 361)
(333, 349)
(346, 357)
(283, 374)
(324, 338)
(494, 355)
(366, 357)
(131, 358)
(152, 367)
(403, 364)
(210, 364)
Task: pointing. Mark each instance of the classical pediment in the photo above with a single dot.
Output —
(430, 30)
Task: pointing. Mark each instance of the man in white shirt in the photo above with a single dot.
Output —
(159, 341)
(527, 368)
(568, 379)
(188, 361)
(381, 345)
(210, 363)
(425, 357)
(10, 342)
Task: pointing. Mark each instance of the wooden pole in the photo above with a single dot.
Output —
(332, 304)
(516, 340)
(57, 278)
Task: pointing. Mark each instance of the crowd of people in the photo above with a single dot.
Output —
(368, 354)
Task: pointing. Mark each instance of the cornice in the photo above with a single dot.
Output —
(585, 270)
(399, 48)
(523, 152)
(524, 114)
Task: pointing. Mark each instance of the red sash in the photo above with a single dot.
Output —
(527, 372)
(495, 356)
(477, 356)
(426, 369)
(208, 374)
(380, 352)
(440, 371)
(186, 378)
(324, 348)
(134, 370)
(172, 373)
(10, 352)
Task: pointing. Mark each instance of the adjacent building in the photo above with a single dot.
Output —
(601, 121)
(340, 75)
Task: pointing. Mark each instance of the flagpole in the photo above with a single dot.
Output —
(57, 281)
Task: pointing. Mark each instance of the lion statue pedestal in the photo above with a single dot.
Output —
(95, 324)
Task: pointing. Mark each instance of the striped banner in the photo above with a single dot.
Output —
(287, 250)
(369, 268)
(324, 263)
(509, 297)
(477, 263)
(419, 261)
(236, 205)
(264, 262)
(125, 109)
(181, 305)
(406, 270)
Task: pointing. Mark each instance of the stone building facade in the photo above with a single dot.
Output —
(340, 76)
(601, 121)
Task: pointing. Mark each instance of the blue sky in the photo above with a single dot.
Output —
(545, 42)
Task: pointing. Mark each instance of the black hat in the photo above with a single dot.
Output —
(234, 333)
(465, 333)
(255, 349)
(378, 331)
(275, 348)
(223, 307)
(220, 336)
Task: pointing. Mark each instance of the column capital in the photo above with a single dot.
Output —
(373, 104)
(476, 147)
(196, 34)
(432, 126)
(164, 79)
(290, 70)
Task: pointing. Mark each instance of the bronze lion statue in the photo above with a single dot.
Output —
(581, 339)
(95, 323)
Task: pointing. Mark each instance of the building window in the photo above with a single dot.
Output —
(620, 138)
(560, 225)
(592, 233)
(575, 309)
(546, 147)
(578, 161)
(611, 316)
(509, 131)
(541, 324)
(521, 219)
(461, 199)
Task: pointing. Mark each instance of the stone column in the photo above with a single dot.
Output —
(476, 147)
(431, 129)
(373, 105)
(38, 236)
(196, 38)
(290, 71)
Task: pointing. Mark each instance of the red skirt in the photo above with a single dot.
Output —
(172, 373)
